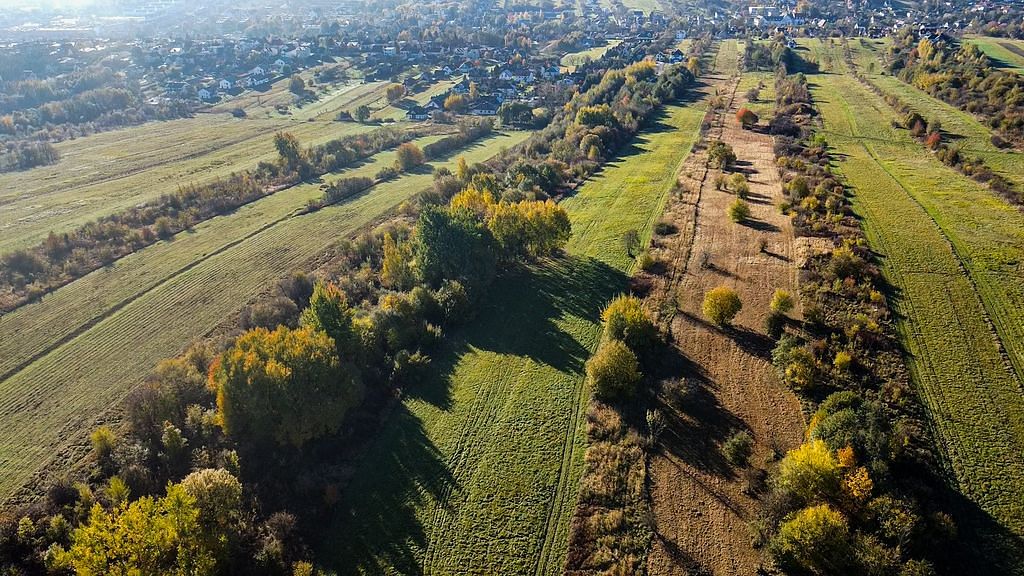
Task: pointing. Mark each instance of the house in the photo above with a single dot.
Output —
(462, 87)
(225, 84)
(207, 94)
(484, 107)
(417, 113)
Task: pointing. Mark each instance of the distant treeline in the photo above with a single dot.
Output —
(24, 155)
(77, 104)
(964, 77)
(61, 258)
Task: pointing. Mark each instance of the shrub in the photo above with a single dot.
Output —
(613, 371)
(738, 211)
(408, 157)
(782, 302)
(738, 184)
(103, 442)
(815, 540)
(721, 154)
(626, 320)
(810, 473)
(738, 448)
(746, 117)
(721, 305)
(721, 182)
(665, 228)
(774, 325)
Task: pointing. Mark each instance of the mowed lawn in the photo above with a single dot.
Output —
(952, 251)
(477, 471)
(105, 332)
(1005, 52)
(573, 60)
(101, 174)
(962, 128)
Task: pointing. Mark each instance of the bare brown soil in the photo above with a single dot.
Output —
(702, 507)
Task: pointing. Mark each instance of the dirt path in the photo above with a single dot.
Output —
(700, 508)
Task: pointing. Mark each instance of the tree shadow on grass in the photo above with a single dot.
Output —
(520, 316)
(375, 529)
(527, 312)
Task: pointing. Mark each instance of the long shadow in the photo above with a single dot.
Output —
(760, 225)
(374, 528)
(378, 527)
(695, 431)
(519, 316)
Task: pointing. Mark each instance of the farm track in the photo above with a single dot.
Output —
(49, 406)
(502, 440)
(945, 243)
(700, 510)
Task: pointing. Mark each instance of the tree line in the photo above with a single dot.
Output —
(964, 77)
(28, 274)
(858, 496)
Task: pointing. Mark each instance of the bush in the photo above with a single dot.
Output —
(738, 448)
(782, 302)
(408, 157)
(626, 320)
(613, 371)
(746, 117)
(721, 305)
(738, 184)
(775, 325)
(815, 540)
(665, 228)
(810, 473)
(739, 211)
(721, 155)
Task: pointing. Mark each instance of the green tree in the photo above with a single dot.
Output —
(782, 302)
(362, 113)
(810, 472)
(148, 536)
(284, 387)
(625, 319)
(721, 305)
(296, 85)
(396, 271)
(738, 211)
(329, 312)
(453, 245)
(613, 371)
(721, 154)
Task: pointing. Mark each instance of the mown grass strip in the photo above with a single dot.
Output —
(1004, 52)
(47, 408)
(949, 248)
(477, 470)
(112, 171)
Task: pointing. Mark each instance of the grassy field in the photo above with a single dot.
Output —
(827, 53)
(571, 61)
(104, 332)
(765, 103)
(1005, 53)
(959, 126)
(477, 470)
(101, 174)
(952, 251)
(394, 112)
